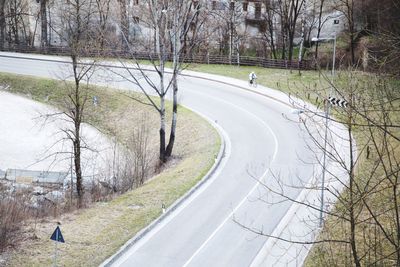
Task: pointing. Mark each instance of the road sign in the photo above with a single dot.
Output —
(337, 102)
(95, 101)
(57, 236)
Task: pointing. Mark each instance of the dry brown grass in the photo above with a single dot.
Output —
(95, 233)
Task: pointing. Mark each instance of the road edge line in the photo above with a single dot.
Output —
(131, 242)
(109, 261)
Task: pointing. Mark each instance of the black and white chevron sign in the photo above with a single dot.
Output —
(337, 102)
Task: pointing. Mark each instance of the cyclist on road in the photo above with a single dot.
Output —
(252, 78)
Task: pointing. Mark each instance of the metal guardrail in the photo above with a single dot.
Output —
(193, 58)
(31, 177)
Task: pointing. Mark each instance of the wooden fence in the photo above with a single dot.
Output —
(193, 58)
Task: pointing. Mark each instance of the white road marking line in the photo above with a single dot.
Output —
(169, 218)
(251, 191)
(256, 185)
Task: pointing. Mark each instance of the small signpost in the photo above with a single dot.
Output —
(95, 101)
(57, 236)
(163, 208)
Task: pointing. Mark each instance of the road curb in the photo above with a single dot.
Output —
(240, 87)
(178, 203)
(131, 242)
(193, 74)
(221, 154)
(181, 200)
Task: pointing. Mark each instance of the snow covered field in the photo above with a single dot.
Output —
(30, 141)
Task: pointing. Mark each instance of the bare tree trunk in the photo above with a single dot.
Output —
(2, 23)
(43, 17)
(77, 118)
(160, 49)
(176, 47)
(353, 188)
(163, 156)
(321, 6)
(294, 12)
(283, 43)
(270, 34)
(273, 45)
(352, 202)
(104, 11)
(290, 48)
(171, 141)
(14, 22)
(350, 18)
(347, 8)
(77, 17)
(124, 23)
(168, 36)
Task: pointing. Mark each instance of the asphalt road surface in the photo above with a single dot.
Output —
(262, 145)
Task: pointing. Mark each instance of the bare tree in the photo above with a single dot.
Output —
(270, 17)
(76, 20)
(140, 153)
(320, 24)
(286, 13)
(2, 23)
(232, 15)
(224, 19)
(382, 24)
(17, 22)
(103, 9)
(359, 200)
(171, 22)
(347, 7)
(184, 19)
(13, 210)
(295, 8)
(44, 40)
(124, 23)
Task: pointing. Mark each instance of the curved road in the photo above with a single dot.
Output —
(261, 145)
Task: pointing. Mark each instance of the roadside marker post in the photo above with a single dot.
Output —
(57, 236)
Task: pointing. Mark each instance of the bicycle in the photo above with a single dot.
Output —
(253, 82)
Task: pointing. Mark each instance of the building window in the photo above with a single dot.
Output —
(257, 13)
(245, 6)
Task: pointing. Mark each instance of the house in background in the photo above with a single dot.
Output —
(232, 27)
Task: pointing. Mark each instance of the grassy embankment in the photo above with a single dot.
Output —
(284, 80)
(95, 233)
(375, 191)
(287, 81)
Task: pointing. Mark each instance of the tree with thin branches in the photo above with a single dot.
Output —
(76, 21)
(172, 23)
